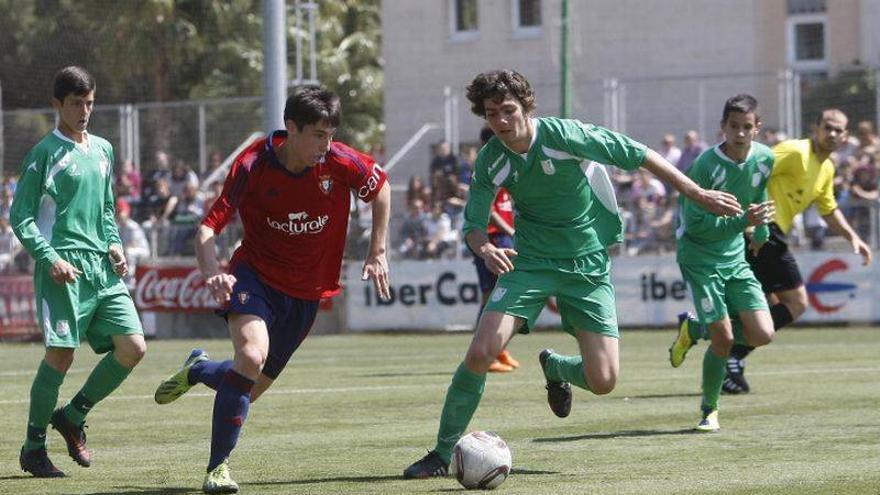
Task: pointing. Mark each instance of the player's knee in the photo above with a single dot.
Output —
(762, 337)
(130, 352)
(796, 303)
(602, 382)
(479, 357)
(251, 358)
(722, 344)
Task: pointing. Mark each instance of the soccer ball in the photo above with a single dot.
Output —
(481, 459)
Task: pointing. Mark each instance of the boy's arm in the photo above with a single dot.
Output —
(25, 208)
(476, 220)
(702, 224)
(714, 202)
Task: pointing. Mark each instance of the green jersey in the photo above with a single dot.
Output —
(564, 199)
(707, 239)
(64, 198)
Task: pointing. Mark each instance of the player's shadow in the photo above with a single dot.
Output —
(335, 479)
(662, 396)
(395, 375)
(617, 434)
(143, 490)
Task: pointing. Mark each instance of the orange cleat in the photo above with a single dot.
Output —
(499, 367)
(506, 358)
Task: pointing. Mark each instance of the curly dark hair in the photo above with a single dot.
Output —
(496, 85)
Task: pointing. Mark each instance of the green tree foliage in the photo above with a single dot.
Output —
(853, 91)
(165, 50)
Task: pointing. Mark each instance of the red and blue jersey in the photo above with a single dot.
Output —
(294, 224)
(503, 206)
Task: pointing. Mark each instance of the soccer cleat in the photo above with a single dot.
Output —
(506, 358)
(178, 384)
(219, 480)
(38, 464)
(499, 367)
(709, 423)
(735, 381)
(74, 436)
(558, 393)
(429, 466)
(683, 342)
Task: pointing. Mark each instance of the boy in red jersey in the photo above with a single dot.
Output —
(292, 191)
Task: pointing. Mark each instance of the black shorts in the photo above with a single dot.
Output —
(775, 266)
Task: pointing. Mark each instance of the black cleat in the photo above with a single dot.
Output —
(74, 436)
(429, 466)
(558, 393)
(735, 381)
(38, 464)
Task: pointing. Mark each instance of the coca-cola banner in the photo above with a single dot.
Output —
(171, 288)
(18, 309)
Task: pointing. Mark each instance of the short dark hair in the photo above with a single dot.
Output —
(485, 135)
(72, 80)
(311, 104)
(740, 103)
(831, 110)
(496, 85)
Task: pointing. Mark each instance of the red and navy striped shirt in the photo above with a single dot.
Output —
(294, 224)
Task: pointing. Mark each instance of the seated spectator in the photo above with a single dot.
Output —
(771, 136)
(157, 210)
(693, 147)
(187, 213)
(213, 193)
(418, 190)
(444, 162)
(466, 167)
(161, 171)
(134, 239)
(868, 141)
(10, 247)
(669, 150)
(864, 195)
(5, 202)
(442, 238)
(128, 182)
(181, 177)
(452, 198)
(414, 231)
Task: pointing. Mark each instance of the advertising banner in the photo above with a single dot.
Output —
(171, 288)
(18, 309)
(444, 295)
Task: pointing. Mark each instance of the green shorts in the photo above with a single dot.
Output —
(96, 306)
(582, 287)
(721, 291)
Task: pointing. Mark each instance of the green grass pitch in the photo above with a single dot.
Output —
(351, 412)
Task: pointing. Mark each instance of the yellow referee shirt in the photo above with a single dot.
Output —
(798, 180)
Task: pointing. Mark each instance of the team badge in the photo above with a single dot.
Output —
(498, 293)
(244, 297)
(325, 183)
(548, 167)
(707, 304)
(62, 328)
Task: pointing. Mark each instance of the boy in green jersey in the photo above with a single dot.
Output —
(711, 250)
(566, 217)
(63, 213)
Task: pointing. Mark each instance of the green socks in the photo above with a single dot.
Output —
(462, 399)
(44, 396)
(103, 380)
(569, 369)
(714, 370)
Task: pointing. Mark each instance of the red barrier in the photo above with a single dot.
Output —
(18, 309)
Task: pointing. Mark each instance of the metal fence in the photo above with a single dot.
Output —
(190, 131)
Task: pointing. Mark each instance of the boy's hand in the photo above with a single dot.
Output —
(117, 259)
(761, 213)
(719, 202)
(63, 272)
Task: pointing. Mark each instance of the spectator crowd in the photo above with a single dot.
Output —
(158, 213)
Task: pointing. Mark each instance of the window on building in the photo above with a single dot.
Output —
(795, 7)
(528, 13)
(465, 17)
(807, 40)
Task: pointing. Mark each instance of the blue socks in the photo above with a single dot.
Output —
(230, 411)
(210, 373)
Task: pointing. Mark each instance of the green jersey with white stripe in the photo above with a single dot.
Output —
(64, 198)
(707, 239)
(563, 198)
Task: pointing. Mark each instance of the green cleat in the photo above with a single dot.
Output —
(178, 383)
(683, 342)
(219, 481)
(709, 423)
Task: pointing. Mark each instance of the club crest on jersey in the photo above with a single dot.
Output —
(707, 304)
(244, 297)
(548, 167)
(325, 183)
(498, 293)
(62, 328)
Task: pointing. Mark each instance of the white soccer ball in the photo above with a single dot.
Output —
(481, 459)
